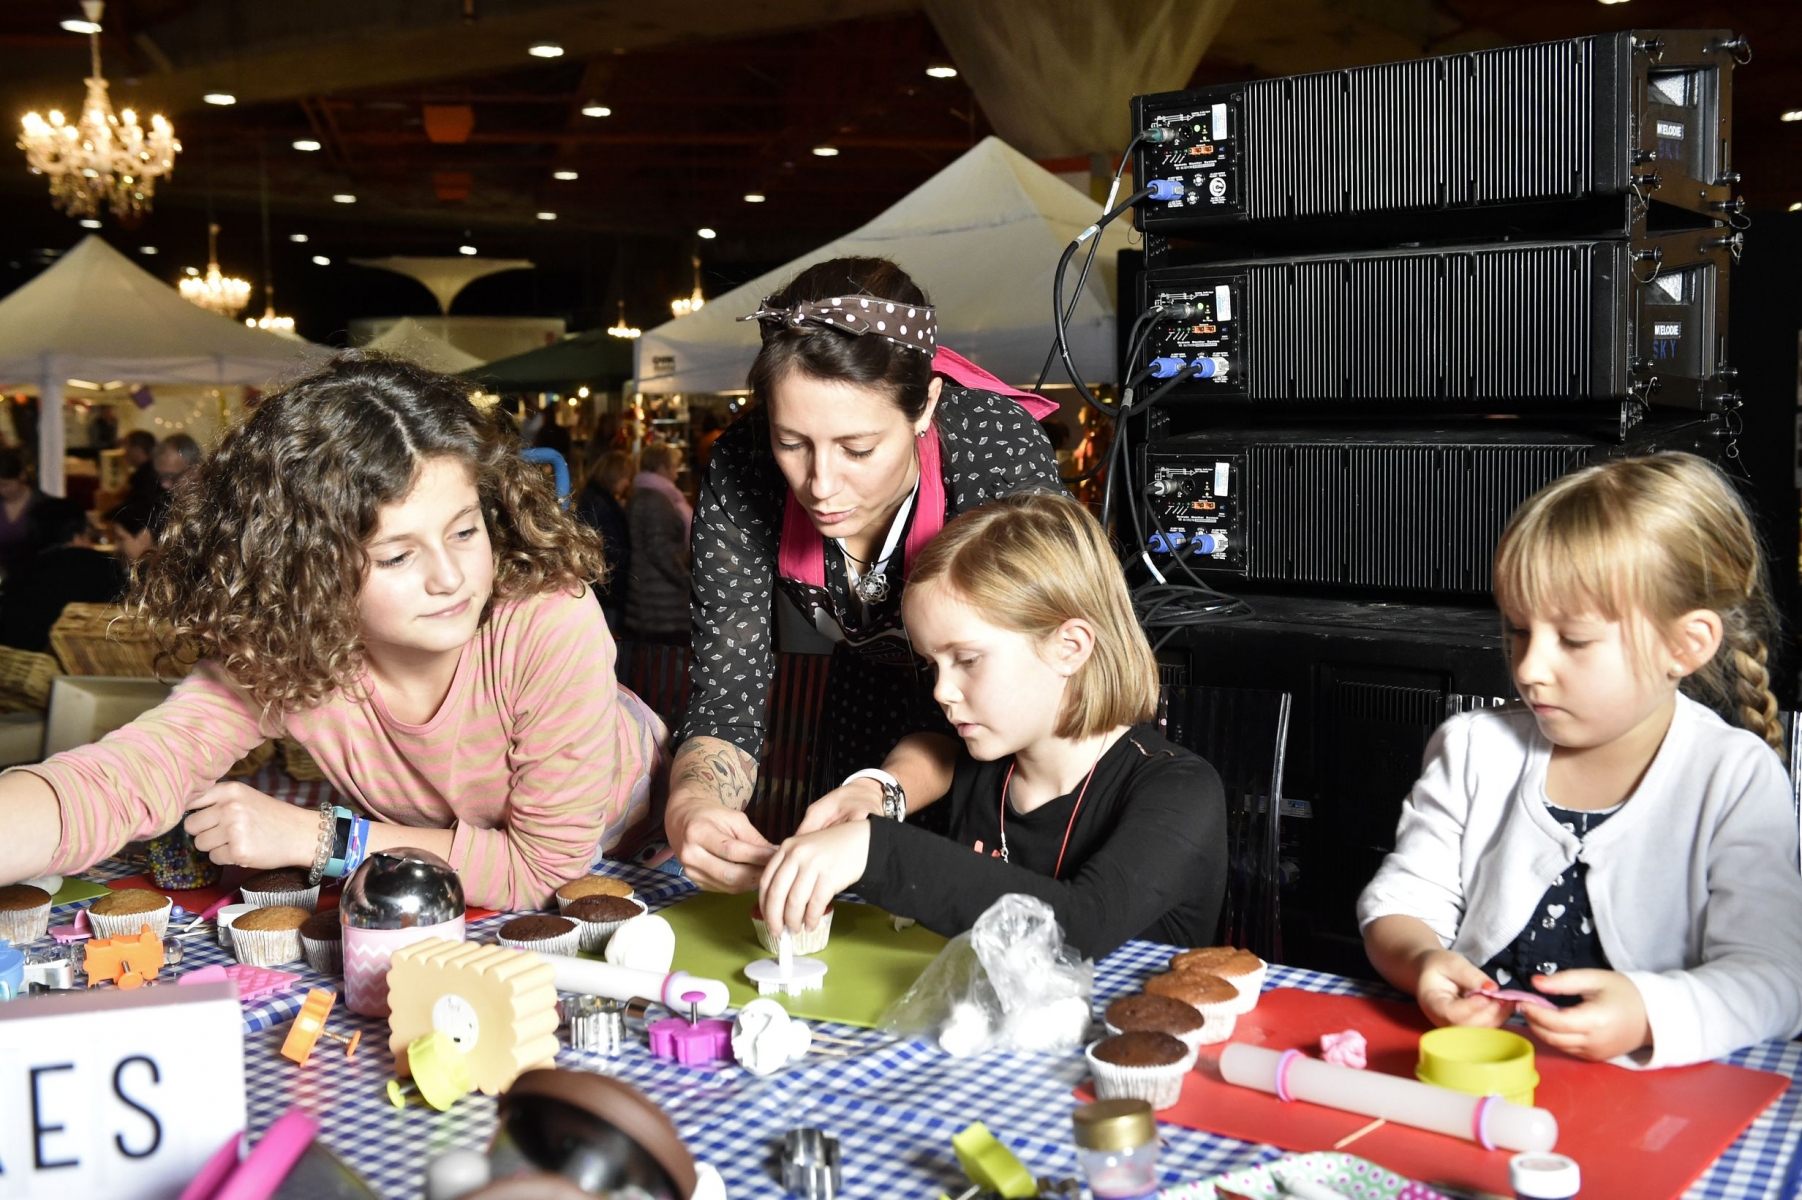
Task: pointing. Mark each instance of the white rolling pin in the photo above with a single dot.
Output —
(587, 977)
(1489, 1121)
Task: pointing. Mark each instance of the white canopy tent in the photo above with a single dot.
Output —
(408, 339)
(982, 237)
(96, 315)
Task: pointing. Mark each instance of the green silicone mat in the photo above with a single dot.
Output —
(870, 965)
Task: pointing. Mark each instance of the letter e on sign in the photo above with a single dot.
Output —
(118, 1094)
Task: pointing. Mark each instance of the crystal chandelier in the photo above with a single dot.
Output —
(694, 301)
(214, 291)
(103, 158)
(620, 329)
(270, 323)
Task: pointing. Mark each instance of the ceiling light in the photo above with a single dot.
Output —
(565, 176)
(307, 144)
(753, 197)
(947, 71)
(146, 249)
(190, 270)
(297, 237)
(466, 250)
(220, 98)
(595, 108)
(320, 260)
(1794, 114)
(545, 50)
(77, 25)
(1796, 207)
(343, 198)
(826, 151)
(90, 223)
(705, 233)
(547, 216)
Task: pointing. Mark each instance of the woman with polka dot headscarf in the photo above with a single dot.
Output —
(867, 436)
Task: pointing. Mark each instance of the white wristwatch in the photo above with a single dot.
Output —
(894, 799)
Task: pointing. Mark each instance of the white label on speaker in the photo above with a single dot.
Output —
(1670, 129)
(1223, 303)
(1222, 471)
(1219, 122)
(1666, 329)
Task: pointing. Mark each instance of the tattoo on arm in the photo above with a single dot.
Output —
(716, 769)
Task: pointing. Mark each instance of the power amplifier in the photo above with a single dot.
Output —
(1523, 324)
(1415, 511)
(1644, 115)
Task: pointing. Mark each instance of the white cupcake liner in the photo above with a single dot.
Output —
(564, 903)
(593, 936)
(266, 947)
(108, 925)
(563, 943)
(1217, 1021)
(806, 941)
(1160, 1087)
(324, 955)
(1250, 986)
(23, 925)
(307, 898)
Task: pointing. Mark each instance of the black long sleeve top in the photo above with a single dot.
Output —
(1146, 855)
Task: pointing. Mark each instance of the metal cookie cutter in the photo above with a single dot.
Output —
(810, 1164)
(596, 1024)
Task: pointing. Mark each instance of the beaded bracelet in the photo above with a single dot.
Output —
(323, 853)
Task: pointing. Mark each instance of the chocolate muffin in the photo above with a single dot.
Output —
(1140, 1050)
(598, 917)
(1152, 1014)
(1197, 989)
(590, 885)
(1140, 1066)
(539, 931)
(322, 941)
(323, 926)
(285, 887)
(283, 879)
(24, 913)
(1241, 968)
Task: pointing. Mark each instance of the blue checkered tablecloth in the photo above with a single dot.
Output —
(893, 1105)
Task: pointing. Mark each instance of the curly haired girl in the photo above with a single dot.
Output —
(367, 565)
(1611, 857)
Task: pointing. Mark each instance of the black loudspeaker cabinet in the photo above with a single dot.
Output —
(1538, 326)
(1641, 118)
(1370, 683)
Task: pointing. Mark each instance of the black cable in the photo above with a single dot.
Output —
(1057, 296)
(1113, 189)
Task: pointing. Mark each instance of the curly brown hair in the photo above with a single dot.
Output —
(263, 556)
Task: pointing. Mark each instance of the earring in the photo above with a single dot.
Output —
(921, 434)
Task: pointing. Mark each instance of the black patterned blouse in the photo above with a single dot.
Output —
(1561, 936)
(879, 690)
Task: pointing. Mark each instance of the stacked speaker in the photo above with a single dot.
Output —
(1399, 300)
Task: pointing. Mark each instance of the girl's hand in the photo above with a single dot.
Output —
(1610, 1022)
(809, 870)
(858, 800)
(235, 824)
(1444, 978)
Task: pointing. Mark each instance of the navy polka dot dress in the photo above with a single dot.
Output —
(1561, 936)
(879, 690)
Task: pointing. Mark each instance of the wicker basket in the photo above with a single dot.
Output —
(99, 639)
(25, 680)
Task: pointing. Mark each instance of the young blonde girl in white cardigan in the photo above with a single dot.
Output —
(1614, 857)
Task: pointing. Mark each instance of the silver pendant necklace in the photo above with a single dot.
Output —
(871, 584)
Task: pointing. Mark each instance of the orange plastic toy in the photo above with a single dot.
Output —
(309, 1027)
(126, 961)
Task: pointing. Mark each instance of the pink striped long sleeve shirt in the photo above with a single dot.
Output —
(535, 758)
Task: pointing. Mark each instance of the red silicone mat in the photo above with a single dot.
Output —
(1645, 1134)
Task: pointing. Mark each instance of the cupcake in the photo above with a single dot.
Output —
(24, 913)
(1166, 1014)
(590, 885)
(806, 941)
(269, 937)
(322, 941)
(545, 934)
(284, 888)
(124, 912)
(1140, 1066)
(1241, 968)
(1218, 1001)
(597, 917)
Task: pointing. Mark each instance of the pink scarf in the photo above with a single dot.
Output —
(653, 482)
(802, 556)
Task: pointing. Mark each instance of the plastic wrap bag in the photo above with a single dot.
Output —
(1009, 984)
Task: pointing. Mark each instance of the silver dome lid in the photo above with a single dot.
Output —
(402, 888)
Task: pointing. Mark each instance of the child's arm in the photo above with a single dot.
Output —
(134, 783)
(922, 763)
(1407, 953)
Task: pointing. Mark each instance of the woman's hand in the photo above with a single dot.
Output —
(235, 824)
(718, 847)
(1610, 1022)
(858, 800)
(1445, 977)
(808, 870)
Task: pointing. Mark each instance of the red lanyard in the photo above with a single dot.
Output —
(1067, 828)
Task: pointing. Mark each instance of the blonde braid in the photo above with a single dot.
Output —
(1751, 683)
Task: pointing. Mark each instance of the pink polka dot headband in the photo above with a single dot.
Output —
(915, 326)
